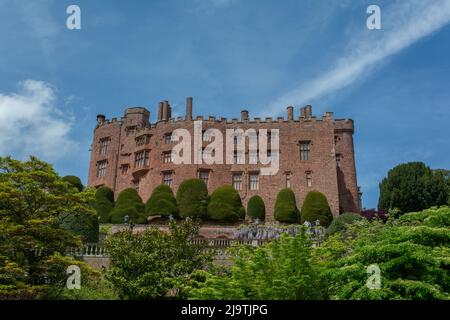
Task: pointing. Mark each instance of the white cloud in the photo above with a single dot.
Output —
(403, 24)
(31, 123)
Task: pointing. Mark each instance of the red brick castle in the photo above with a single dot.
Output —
(314, 154)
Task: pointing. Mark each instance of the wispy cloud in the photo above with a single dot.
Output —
(31, 123)
(404, 23)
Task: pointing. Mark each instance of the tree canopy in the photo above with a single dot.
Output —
(225, 205)
(285, 206)
(192, 198)
(162, 202)
(130, 204)
(315, 207)
(256, 208)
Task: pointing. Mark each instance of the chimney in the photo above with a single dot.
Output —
(100, 119)
(189, 108)
(244, 115)
(165, 111)
(290, 113)
(306, 112)
(160, 111)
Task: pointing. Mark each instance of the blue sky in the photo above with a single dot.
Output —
(229, 55)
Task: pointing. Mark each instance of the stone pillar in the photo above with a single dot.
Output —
(244, 115)
(290, 113)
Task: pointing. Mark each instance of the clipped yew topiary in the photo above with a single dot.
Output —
(285, 206)
(316, 207)
(129, 203)
(192, 198)
(225, 205)
(104, 203)
(74, 182)
(256, 208)
(341, 223)
(161, 202)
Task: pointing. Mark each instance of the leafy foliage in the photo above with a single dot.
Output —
(315, 207)
(285, 206)
(161, 202)
(192, 198)
(84, 225)
(281, 269)
(34, 201)
(225, 205)
(340, 223)
(74, 182)
(104, 203)
(256, 208)
(130, 204)
(413, 187)
(155, 264)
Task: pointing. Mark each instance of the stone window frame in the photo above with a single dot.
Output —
(305, 147)
(237, 182)
(167, 157)
(288, 179)
(103, 145)
(101, 168)
(124, 168)
(167, 178)
(202, 172)
(168, 138)
(309, 178)
(142, 158)
(251, 184)
(142, 140)
(130, 130)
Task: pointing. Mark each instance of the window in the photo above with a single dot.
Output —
(338, 159)
(253, 156)
(207, 136)
(167, 178)
(305, 148)
(204, 175)
(124, 168)
(142, 159)
(104, 145)
(168, 138)
(309, 179)
(130, 130)
(142, 140)
(288, 180)
(101, 168)
(254, 181)
(167, 157)
(238, 157)
(237, 181)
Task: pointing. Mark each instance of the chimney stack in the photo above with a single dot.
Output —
(189, 108)
(160, 111)
(100, 118)
(290, 113)
(165, 111)
(244, 115)
(306, 112)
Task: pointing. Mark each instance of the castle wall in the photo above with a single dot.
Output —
(338, 183)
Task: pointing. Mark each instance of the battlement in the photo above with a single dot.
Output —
(142, 116)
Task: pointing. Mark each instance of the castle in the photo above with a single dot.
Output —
(314, 154)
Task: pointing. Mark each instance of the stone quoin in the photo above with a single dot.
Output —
(314, 154)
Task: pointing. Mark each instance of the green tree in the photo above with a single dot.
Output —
(155, 264)
(256, 208)
(130, 204)
(412, 254)
(192, 198)
(104, 203)
(285, 206)
(84, 225)
(74, 182)
(33, 202)
(281, 269)
(225, 204)
(315, 207)
(161, 202)
(341, 223)
(412, 187)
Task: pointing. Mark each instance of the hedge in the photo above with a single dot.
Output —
(161, 202)
(315, 207)
(192, 198)
(74, 182)
(285, 206)
(129, 203)
(256, 208)
(104, 203)
(340, 223)
(82, 224)
(225, 205)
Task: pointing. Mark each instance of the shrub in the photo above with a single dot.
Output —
(192, 198)
(104, 203)
(161, 202)
(256, 208)
(225, 204)
(84, 225)
(74, 182)
(285, 206)
(340, 223)
(129, 203)
(315, 207)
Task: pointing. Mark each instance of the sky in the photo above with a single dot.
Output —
(229, 55)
